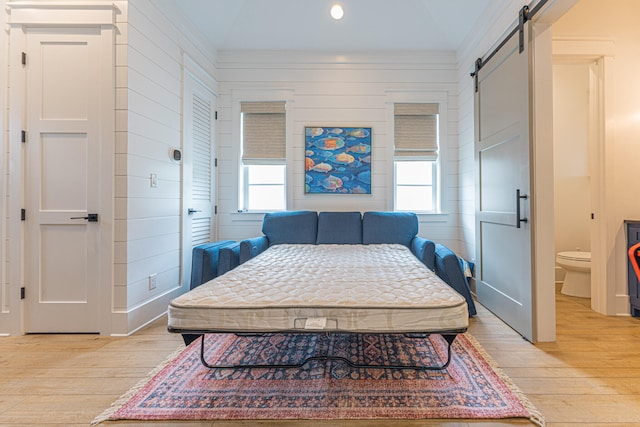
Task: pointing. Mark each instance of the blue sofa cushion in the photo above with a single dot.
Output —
(389, 227)
(339, 228)
(290, 227)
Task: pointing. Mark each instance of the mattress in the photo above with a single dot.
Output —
(343, 288)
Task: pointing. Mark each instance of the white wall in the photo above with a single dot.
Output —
(4, 266)
(149, 59)
(615, 20)
(336, 90)
(572, 198)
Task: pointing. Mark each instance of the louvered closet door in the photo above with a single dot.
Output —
(198, 169)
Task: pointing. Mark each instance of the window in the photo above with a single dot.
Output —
(263, 155)
(415, 157)
(264, 187)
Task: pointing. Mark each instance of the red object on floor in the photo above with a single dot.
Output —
(634, 255)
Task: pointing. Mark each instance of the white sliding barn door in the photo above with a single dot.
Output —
(62, 180)
(503, 191)
(198, 169)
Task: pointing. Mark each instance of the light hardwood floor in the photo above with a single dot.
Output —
(590, 376)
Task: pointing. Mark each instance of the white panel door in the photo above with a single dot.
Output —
(62, 180)
(503, 236)
(198, 169)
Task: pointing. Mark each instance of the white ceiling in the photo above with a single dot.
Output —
(368, 25)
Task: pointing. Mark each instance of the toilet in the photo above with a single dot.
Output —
(577, 280)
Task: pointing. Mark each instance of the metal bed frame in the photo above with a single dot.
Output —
(449, 337)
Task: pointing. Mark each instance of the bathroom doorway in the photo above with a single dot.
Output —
(577, 129)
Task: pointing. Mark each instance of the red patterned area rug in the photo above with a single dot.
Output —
(472, 387)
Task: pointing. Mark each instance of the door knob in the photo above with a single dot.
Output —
(191, 211)
(93, 217)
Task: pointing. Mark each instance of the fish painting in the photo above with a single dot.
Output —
(364, 177)
(314, 132)
(308, 163)
(344, 158)
(337, 160)
(332, 183)
(329, 143)
(358, 133)
(359, 149)
(322, 167)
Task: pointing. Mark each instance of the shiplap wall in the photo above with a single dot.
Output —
(149, 57)
(335, 90)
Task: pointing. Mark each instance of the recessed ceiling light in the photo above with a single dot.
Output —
(337, 12)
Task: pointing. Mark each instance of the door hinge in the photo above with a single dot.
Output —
(215, 115)
(23, 214)
(23, 292)
(215, 162)
(23, 136)
(24, 58)
(215, 210)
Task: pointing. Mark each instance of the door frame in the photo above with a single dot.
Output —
(601, 52)
(60, 15)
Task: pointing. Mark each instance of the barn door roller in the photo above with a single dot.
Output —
(524, 15)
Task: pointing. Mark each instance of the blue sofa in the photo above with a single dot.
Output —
(310, 227)
(213, 259)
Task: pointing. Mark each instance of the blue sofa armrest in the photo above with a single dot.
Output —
(449, 269)
(252, 247)
(424, 250)
(229, 258)
(204, 261)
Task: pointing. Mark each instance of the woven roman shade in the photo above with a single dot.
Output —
(263, 132)
(416, 131)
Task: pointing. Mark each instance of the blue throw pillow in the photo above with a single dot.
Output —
(389, 227)
(290, 227)
(339, 228)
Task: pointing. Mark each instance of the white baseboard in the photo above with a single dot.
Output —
(128, 322)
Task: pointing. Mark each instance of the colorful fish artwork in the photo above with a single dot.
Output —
(358, 133)
(344, 158)
(359, 149)
(337, 160)
(332, 183)
(322, 167)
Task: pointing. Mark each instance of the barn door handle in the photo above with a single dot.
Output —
(191, 211)
(89, 217)
(518, 198)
